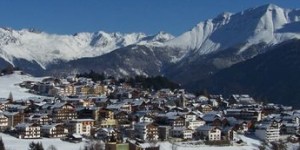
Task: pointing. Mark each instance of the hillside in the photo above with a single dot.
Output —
(272, 76)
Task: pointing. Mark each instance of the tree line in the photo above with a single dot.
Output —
(152, 82)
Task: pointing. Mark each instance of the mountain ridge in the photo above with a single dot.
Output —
(32, 46)
(209, 47)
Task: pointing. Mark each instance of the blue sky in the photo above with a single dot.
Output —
(149, 16)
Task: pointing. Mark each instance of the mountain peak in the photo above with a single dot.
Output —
(222, 18)
(252, 26)
(156, 39)
(224, 15)
(265, 8)
(163, 36)
(270, 6)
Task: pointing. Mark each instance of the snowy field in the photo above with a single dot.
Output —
(9, 83)
(12, 143)
(251, 144)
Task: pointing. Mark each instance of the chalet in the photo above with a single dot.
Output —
(101, 101)
(270, 108)
(88, 113)
(100, 89)
(244, 114)
(190, 116)
(63, 111)
(268, 131)
(122, 117)
(138, 105)
(228, 133)
(209, 133)
(105, 134)
(192, 121)
(70, 90)
(16, 108)
(289, 128)
(106, 118)
(211, 117)
(86, 90)
(3, 122)
(28, 131)
(146, 131)
(205, 108)
(3, 103)
(105, 114)
(54, 130)
(14, 118)
(195, 124)
(176, 121)
(120, 107)
(243, 99)
(164, 132)
(182, 132)
(40, 119)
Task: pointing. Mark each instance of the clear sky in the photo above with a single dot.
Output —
(149, 16)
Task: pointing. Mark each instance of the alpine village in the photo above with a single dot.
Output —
(140, 113)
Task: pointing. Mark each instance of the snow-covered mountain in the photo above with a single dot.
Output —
(228, 39)
(210, 46)
(44, 48)
(268, 24)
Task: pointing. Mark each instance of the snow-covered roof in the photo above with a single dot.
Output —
(76, 135)
(205, 128)
(50, 126)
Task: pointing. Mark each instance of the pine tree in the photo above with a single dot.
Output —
(40, 146)
(2, 147)
(36, 146)
(32, 146)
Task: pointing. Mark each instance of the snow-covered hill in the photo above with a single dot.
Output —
(10, 83)
(47, 48)
(268, 24)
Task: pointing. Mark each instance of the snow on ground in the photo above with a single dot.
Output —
(168, 146)
(9, 83)
(13, 143)
(251, 144)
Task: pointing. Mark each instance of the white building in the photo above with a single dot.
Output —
(182, 132)
(81, 126)
(28, 131)
(194, 124)
(190, 116)
(3, 121)
(268, 131)
(210, 133)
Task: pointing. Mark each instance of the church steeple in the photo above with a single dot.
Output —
(10, 97)
(182, 101)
